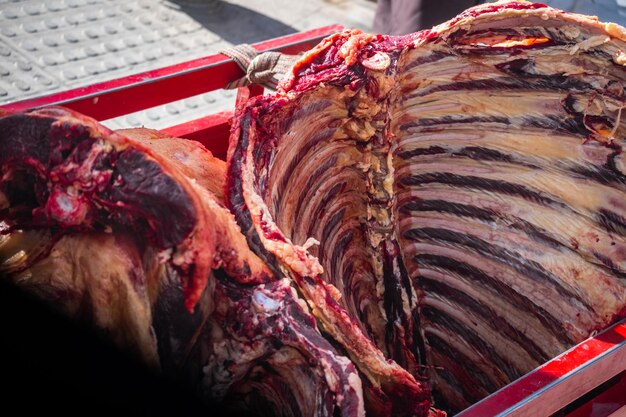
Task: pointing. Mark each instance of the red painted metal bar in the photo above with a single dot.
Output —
(213, 130)
(148, 89)
(560, 381)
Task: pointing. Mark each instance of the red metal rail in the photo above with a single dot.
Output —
(563, 380)
(152, 88)
(148, 89)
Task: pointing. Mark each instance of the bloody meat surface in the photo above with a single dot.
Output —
(464, 186)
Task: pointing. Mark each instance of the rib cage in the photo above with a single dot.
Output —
(466, 185)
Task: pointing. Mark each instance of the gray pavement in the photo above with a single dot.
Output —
(606, 10)
(55, 45)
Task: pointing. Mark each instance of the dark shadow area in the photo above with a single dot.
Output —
(51, 366)
(234, 23)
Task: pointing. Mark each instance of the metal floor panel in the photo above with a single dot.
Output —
(79, 42)
(54, 45)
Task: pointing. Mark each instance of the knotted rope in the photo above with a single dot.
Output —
(266, 68)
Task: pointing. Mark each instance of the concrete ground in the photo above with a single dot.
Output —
(55, 45)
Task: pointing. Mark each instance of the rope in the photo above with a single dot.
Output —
(266, 68)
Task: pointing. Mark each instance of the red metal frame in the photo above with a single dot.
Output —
(141, 91)
(543, 392)
(563, 380)
(151, 88)
(207, 130)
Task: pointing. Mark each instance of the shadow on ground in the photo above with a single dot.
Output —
(606, 10)
(235, 24)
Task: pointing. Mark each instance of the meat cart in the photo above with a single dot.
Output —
(587, 380)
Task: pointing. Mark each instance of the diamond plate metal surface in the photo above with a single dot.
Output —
(177, 112)
(54, 45)
(78, 42)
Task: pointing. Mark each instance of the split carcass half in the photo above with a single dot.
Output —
(452, 200)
